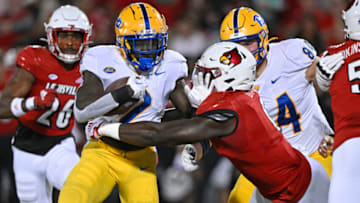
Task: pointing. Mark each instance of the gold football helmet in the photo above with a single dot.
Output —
(141, 33)
(242, 24)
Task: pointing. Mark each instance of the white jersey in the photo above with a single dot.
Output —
(108, 65)
(289, 98)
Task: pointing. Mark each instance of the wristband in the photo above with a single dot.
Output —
(110, 130)
(30, 103)
(16, 107)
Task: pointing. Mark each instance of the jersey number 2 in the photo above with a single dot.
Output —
(62, 121)
(287, 113)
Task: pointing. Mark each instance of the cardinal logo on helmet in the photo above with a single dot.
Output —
(231, 58)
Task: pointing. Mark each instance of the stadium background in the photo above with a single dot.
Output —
(193, 25)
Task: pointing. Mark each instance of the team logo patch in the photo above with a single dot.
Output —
(109, 70)
(259, 20)
(53, 76)
(118, 23)
(231, 58)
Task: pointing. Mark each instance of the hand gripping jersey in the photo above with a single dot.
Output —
(289, 98)
(345, 93)
(50, 74)
(108, 65)
(257, 148)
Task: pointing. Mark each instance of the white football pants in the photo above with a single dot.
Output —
(35, 175)
(345, 178)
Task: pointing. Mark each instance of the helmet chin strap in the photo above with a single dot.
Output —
(68, 58)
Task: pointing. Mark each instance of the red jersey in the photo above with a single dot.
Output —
(50, 74)
(258, 149)
(345, 93)
(7, 126)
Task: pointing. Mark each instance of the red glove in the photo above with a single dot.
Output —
(44, 101)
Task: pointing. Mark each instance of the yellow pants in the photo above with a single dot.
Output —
(243, 188)
(101, 167)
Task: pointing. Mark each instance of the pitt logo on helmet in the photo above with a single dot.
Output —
(243, 24)
(141, 34)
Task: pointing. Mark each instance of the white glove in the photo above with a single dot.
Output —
(326, 69)
(202, 88)
(91, 128)
(188, 158)
(138, 85)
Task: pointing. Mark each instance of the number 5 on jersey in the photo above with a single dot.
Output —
(287, 113)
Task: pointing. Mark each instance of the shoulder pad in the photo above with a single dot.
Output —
(90, 58)
(100, 50)
(299, 52)
(26, 58)
(172, 56)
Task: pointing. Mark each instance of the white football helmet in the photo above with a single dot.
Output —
(67, 18)
(351, 17)
(232, 66)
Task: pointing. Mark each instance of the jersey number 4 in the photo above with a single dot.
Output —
(287, 113)
(354, 75)
(63, 118)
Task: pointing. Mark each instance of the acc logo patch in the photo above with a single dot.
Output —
(231, 57)
(109, 69)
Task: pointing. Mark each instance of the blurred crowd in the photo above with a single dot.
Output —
(193, 25)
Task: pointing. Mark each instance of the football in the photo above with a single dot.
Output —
(127, 106)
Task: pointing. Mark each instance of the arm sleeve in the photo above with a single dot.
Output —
(99, 107)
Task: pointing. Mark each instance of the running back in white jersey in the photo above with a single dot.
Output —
(289, 98)
(108, 65)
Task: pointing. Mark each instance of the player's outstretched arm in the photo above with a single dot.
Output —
(180, 100)
(168, 133)
(18, 87)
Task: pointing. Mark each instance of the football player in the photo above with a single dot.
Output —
(41, 95)
(234, 120)
(341, 77)
(155, 75)
(284, 79)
